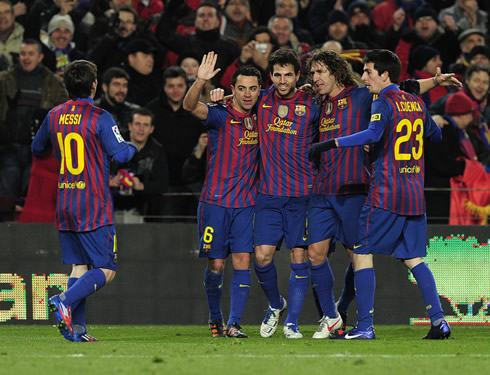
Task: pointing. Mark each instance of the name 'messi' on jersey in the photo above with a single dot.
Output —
(70, 119)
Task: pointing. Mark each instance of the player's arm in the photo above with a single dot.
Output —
(447, 79)
(205, 72)
(371, 135)
(126, 154)
(41, 142)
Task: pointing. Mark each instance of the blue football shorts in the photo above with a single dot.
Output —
(97, 247)
(223, 230)
(278, 218)
(383, 232)
(335, 216)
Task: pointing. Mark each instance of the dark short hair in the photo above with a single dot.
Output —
(246, 70)
(33, 41)
(174, 72)
(143, 112)
(79, 77)
(475, 68)
(337, 66)
(283, 57)
(112, 73)
(385, 61)
(262, 30)
(207, 3)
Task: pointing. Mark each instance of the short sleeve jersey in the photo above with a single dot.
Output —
(344, 170)
(85, 137)
(232, 158)
(287, 128)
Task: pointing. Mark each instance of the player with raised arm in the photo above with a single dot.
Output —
(85, 138)
(392, 220)
(226, 207)
(341, 186)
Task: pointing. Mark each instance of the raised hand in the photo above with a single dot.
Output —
(206, 70)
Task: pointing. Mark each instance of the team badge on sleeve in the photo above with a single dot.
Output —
(282, 111)
(376, 117)
(118, 135)
(300, 110)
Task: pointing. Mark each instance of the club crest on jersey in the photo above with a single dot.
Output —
(247, 121)
(300, 110)
(206, 248)
(328, 108)
(115, 130)
(282, 111)
(342, 103)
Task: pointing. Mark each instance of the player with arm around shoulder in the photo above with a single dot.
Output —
(85, 138)
(226, 205)
(393, 218)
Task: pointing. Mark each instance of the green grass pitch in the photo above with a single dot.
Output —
(191, 350)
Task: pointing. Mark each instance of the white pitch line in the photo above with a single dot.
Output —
(337, 355)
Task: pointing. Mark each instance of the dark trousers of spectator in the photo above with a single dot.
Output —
(15, 169)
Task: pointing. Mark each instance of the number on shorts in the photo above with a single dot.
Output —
(208, 235)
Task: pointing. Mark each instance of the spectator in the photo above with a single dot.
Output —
(139, 183)
(445, 159)
(27, 92)
(317, 14)
(290, 9)
(424, 62)
(467, 40)
(476, 86)
(11, 34)
(61, 47)
(111, 49)
(235, 23)
(282, 28)
(194, 168)
(397, 15)
(113, 100)
(178, 131)
(105, 14)
(190, 62)
(338, 29)
(262, 42)
(427, 32)
(206, 38)
(362, 27)
(479, 55)
(464, 15)
(144, 82)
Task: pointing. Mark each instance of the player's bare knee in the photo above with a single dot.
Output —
(298, 255)
(317, 254)
(241, 261)
(109, 275)
(216, 265)
(263, 255)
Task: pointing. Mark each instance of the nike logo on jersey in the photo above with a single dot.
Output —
(244, 286)
(266, 106)
(357, 246)
(301, 277)
(235, 122)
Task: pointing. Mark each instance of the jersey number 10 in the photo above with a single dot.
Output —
(67, 153)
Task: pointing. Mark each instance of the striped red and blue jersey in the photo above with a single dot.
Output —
(399, 123)
(85, 138)
(344, 170)
(232, 158)
(287, 128)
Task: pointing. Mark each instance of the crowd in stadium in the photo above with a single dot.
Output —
(147, 54)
